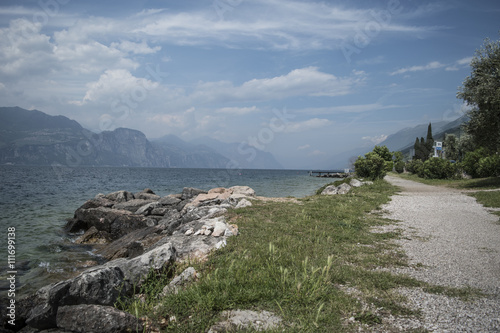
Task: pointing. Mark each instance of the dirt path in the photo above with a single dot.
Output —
(451, 240)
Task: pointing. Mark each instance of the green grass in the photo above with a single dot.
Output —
(477, 183)
(488, 198)
(294, 260)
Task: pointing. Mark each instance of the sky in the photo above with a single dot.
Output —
(304, 80)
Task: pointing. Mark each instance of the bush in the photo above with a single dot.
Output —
(489, 166)
(415, 166)
(481, 163)
(371, 166)
(438, 168)
(399, 166)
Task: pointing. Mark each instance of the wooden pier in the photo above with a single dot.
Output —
(330, 173)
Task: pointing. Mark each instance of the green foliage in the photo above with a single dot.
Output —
(489, 166)
(371, 166)
(450, 146)
(481, 163)
(481, 91)
(415, 166)
(437, 168)
(383, 152)
(399, 166)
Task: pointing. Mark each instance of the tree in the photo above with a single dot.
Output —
(481, 91)
(371, 166)
(383, 152)
(451, 147)
(429, 141)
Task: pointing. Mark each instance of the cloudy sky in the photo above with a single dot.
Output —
(302, 79)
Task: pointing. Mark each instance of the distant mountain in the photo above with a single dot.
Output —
(241, 156)
(187, 154)
(31, 137)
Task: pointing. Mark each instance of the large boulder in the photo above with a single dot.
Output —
(97, 318)
(243, 190)
(132, 244)
(120, 196)
(132, 205)
(98, 285)
(169, 200)
(115, 222)
(190, 192)
(136, 269)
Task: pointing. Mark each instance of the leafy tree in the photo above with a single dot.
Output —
(371, 166)
(399, 165)
(429, 141)
(471, 161)
(481, 91)
(451, 147)
(383, 152)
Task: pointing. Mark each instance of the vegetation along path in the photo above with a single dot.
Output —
(451, 241)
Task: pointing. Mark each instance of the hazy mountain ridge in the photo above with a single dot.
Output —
(31, 137)
(403, 139)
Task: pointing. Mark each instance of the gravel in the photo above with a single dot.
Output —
(450, 240)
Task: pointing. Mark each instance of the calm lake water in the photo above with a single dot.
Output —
(36, 201)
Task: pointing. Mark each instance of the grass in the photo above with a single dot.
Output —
(470, 184)
(296, 261)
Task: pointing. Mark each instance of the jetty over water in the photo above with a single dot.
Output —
(330, 173)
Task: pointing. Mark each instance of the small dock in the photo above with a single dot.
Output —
(330, 173)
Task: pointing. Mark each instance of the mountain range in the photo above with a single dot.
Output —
(31, 137)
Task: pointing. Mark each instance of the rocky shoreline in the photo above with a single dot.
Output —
(135, 233)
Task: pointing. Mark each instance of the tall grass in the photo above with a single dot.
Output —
(296, 261)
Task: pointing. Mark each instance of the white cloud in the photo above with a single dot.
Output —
(135, 48)
(119, 84)
(276, 24)
(307, 81)
(237, 110)
(429, 66)
(375, 139)
(314, 123)
(356, 108)
(303, 147)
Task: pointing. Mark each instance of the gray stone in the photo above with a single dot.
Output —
(120, 196)
(197, 213)
(343, 188)
(147, 208)
(190, 192)
(132, 244)
(243, 203)
(147, 196)
(237, 320)
(243, 190)
(188, 275)
(98, 285)
(355, 183)
(97, 318)
(136, 269)
(169, 200)
(330, 190)
(159, 211)
(115, 222)
(132, 205)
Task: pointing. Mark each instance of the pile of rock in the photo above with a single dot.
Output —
(344, 188)
(136, 233)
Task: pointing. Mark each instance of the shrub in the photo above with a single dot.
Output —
(489, 166)
(438, 168)
(371, 166)
(399, 166)
(415, 166)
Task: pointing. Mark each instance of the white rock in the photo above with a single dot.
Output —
(189, 232)
(243, 203)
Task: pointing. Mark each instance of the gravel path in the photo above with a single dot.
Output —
(458, 243)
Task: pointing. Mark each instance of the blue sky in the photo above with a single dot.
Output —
(304, 80)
